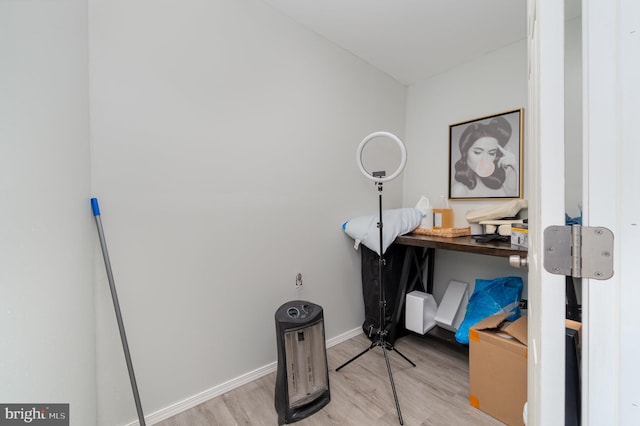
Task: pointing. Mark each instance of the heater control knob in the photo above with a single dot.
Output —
(293, 312)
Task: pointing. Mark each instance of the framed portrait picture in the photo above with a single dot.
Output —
(485, 157)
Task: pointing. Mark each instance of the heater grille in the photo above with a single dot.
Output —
(306, 364)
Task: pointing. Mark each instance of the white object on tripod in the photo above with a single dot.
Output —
(364, 229)
(403, 153)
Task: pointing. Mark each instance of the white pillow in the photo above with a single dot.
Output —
(364, 229)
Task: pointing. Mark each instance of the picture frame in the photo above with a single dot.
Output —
(486, 157)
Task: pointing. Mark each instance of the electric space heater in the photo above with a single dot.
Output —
(302, 379)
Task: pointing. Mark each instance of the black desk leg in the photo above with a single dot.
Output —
(431, 254)
(424, 262)
(411, 258)
(401, 292)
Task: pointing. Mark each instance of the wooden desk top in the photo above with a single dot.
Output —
(464, 244)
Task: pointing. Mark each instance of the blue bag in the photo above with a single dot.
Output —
(499, 295)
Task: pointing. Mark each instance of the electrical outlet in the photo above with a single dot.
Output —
(299, 280)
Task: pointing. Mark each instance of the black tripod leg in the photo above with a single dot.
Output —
(356, 357)
(393, 386)
(402, 355)
(382, 339)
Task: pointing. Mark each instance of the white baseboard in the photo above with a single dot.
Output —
(227, 386)
(344, 337)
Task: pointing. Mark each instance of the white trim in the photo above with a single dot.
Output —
(546, 291)
(229, 385)
(344, 337)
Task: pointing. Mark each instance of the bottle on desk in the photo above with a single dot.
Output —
(442, 214)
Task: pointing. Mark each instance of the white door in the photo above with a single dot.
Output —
(611, 109)
(545, 153)
(628, 229)
(611, 38)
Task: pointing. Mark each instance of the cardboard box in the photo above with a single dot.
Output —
(577, 326)
(520, 234)
(498, 367)
(573, 392)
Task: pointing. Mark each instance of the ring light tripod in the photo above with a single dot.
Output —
(381, 333)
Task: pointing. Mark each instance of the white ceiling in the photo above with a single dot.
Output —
(412, 40)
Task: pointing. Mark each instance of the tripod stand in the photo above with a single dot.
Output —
(381, 333)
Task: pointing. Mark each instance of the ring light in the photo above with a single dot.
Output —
(403, 153)
(381, 332)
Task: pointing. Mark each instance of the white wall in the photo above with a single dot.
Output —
(223, 153)
(494, 83)
(46, 227)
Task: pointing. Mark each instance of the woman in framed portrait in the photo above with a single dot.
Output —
(486, 169)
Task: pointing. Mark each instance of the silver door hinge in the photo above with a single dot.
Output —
(579, 251)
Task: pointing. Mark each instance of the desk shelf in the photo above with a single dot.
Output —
(420, 256)
(463, 244)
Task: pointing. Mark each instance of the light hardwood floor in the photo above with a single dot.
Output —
(434, 393)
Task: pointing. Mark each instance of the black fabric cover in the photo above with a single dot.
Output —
(574, 309)
(572, 397)
(391, 271)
